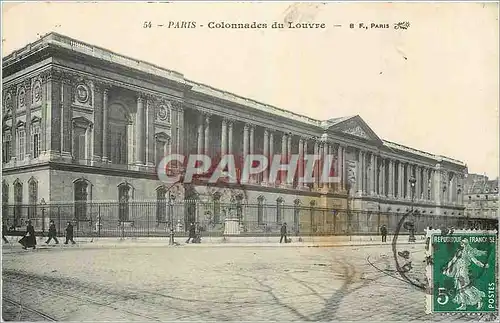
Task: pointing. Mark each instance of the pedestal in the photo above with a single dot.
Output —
(232, 226)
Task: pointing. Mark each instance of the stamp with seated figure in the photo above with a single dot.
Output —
(461, 270)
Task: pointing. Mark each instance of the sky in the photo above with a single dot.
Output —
(433, 86)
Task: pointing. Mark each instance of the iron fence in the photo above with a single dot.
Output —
(157, 218)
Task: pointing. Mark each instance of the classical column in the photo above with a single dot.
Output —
(344, 169)
(139, 134)
(304, 161)
(373, 170)
(301, 163)
(200, 134)
(363, 172)
(390, 178)
(382, 176)
(316, 164)
(401, 180)
(252, 149)
(359, 180)
(105, 94)
(230, 135)
(417, 183)
(426, 184)
(223, 145)
(266, 154)
(289, 147)
(284, 142)
(408, 184)
(338, 170)
(271, 147)
(431, 184)
(252, 139)
(245, 140)
(325, 157)
(207, 147)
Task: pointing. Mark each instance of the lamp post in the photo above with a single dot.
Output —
(43, 203)
(411, 226)
(171, 198)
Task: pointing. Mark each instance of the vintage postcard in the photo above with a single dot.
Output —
(249, 161)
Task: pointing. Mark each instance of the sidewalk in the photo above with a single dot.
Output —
(207, 242)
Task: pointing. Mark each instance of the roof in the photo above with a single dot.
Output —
(58, 40)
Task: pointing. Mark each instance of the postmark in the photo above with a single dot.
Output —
(462, 272)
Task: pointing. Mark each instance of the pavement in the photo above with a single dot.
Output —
(206, 282)
(312, 241)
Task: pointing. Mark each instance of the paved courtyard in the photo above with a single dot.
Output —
(251, 283)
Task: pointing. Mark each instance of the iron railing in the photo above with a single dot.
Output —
(157, 218)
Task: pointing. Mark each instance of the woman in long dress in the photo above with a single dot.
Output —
(458, 269)
(29, 240)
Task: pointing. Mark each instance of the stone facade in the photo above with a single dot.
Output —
(481, 197)
(90, 125)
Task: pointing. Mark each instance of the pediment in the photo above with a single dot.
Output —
(353, 126)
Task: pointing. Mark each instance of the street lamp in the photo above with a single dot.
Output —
(171, 198)
(411, 226)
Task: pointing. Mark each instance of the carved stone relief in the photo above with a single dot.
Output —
(37, 92)
(21, 99)
(351, 172)
(8, 104)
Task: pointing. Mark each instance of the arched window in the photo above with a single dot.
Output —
(81, 198)
(279, 209)
(18, 200)
(161, 204)
(216, 200)
(124, 197)
(260, 210)
(32, 197)
(6, 145)
(35, 137)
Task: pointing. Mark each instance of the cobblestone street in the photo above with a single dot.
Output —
(210, 283)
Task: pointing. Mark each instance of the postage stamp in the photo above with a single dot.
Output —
(462, 271)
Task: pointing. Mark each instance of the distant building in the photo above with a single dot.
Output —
(481, 197)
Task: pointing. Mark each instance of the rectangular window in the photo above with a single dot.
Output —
(21, 142)
(6, 148)
(35, 141)
(79, 144)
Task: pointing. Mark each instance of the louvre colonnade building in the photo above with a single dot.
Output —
(81, 123)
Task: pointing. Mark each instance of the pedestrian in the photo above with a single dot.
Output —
(197, 238)
(29, 239)
(69, 233)
(283, 233)
(52, 233)
(192, 232)
(4, 232)
(383, 232)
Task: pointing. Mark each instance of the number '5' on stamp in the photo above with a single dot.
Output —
(463, 272)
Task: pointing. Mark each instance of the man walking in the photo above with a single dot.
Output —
(283, 233)
(192, 232)
(52, 233)
(383, 232)
(69, 233)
